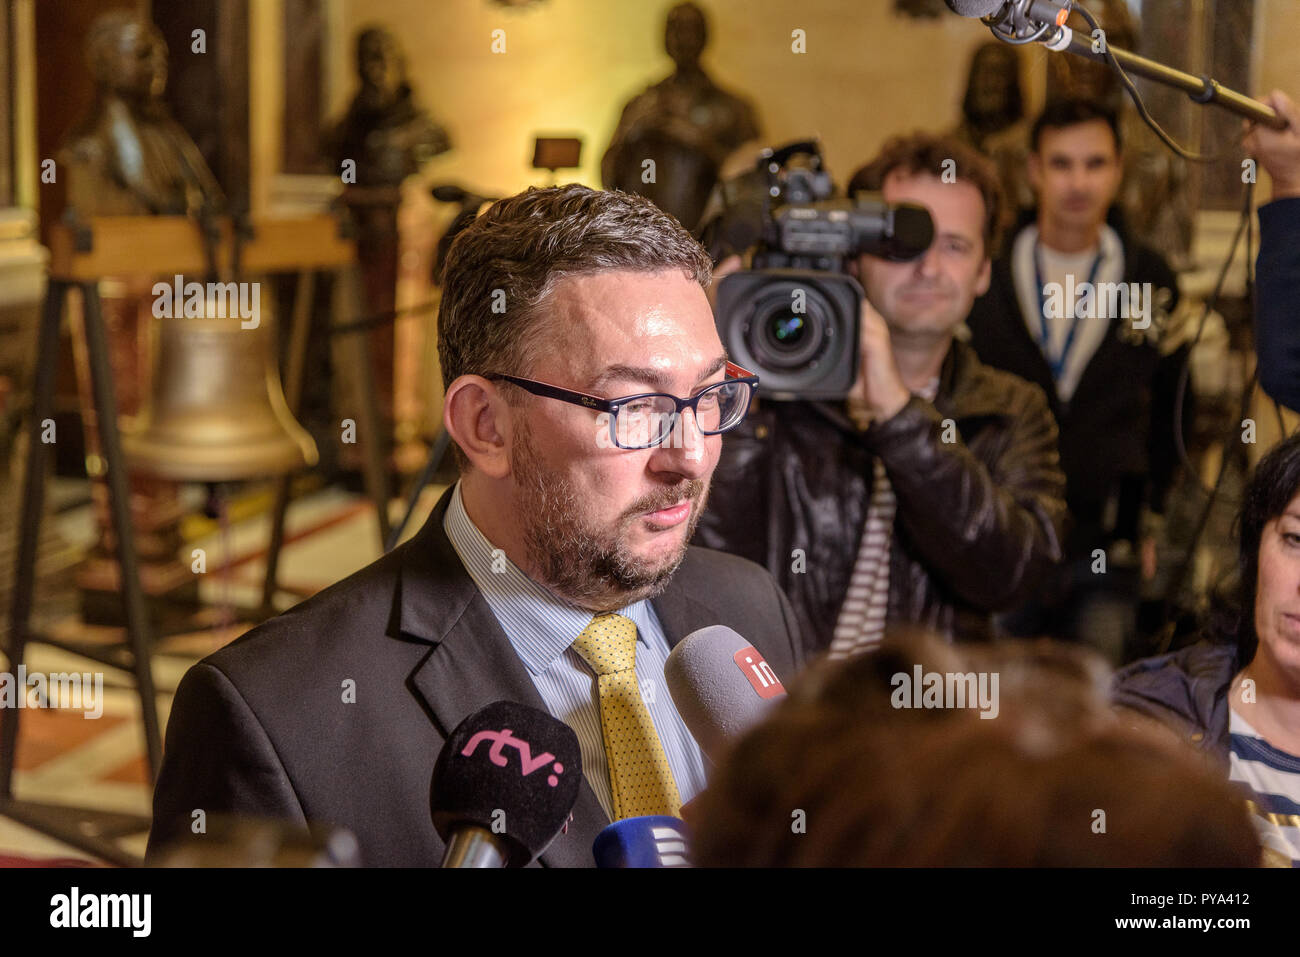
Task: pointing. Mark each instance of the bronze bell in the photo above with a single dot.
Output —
(216, 412)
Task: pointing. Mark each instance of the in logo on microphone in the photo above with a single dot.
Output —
(758, 671)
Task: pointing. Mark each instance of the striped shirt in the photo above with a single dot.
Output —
(1272, 779)
(542, 628)
(861, 623)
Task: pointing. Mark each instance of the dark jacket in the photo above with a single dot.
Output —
(1117, 447)
(1186, 690)
(978, 517)
(259, 728)
(1277, 331)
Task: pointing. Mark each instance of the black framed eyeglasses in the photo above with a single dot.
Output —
(646, 420)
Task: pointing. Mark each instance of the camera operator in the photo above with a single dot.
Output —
(933, 494)
(1277, 340)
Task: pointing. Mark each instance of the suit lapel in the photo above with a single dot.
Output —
(473, 663)
(679, 613)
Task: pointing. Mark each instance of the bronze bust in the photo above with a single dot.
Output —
(686, 123)
(384, 130)
(128, 156)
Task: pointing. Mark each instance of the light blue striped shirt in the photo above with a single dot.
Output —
(542, 629)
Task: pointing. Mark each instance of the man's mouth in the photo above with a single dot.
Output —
(925, 294)
(670, 516)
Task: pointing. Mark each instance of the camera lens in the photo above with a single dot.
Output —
(786, 330)
(781, 337)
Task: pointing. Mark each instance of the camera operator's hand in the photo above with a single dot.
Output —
(879, 392)
(1278, 151)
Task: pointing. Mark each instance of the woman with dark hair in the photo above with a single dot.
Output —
(1235, 695)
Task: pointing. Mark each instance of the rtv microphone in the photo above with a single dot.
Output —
(655, 840)
(503, 786)
(721, 686)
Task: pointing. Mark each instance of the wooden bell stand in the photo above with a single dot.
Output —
(82, 255)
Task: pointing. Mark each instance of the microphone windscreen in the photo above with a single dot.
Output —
(721, 686)
(975, 8)
(512, 770)
(652, 841)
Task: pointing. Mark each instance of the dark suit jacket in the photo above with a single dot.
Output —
(260, 727)
(1277, 335)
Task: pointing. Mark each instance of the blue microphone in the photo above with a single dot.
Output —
(655, 840)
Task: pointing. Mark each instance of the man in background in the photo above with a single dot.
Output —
(1076, 308)
(933, 494)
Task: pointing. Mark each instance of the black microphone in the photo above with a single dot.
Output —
(503, 786)
(1021, 21)
(975, 8)
(720, 685)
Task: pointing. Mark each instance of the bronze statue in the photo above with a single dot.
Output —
(128, 156)
(384, 131)
(994, 122)
(686, 123)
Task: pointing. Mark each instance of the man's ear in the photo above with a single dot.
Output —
(1035, 170)
(479, 420)
(986, 275)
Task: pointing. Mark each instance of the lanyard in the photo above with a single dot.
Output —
(1058, 364)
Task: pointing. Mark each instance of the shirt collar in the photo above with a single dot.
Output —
(539, 625)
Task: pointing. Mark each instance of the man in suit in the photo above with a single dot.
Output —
(565, 537)
(1076, 307)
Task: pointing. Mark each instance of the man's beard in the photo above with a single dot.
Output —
(585, 565)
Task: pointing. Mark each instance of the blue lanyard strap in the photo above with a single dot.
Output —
(1058, 364)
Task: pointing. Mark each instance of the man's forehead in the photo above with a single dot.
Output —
(629, 319)
(1090, 137)
(959, 204)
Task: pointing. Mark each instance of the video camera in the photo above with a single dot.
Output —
(793, 316)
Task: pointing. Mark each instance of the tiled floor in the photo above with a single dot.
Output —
(63, 757)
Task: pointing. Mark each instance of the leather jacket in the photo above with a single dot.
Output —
(979, 488)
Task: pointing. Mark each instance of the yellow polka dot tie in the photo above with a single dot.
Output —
(639, 775)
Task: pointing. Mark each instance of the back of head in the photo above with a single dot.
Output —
(840, 776)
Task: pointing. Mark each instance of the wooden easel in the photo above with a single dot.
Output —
(82, 255)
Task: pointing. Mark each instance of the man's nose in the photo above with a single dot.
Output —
(927, 264)
(685, 450)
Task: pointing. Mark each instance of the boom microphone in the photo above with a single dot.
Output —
(654, 840)
(978, 9)
(1029, 21)
(503, 786)
(720, 685)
